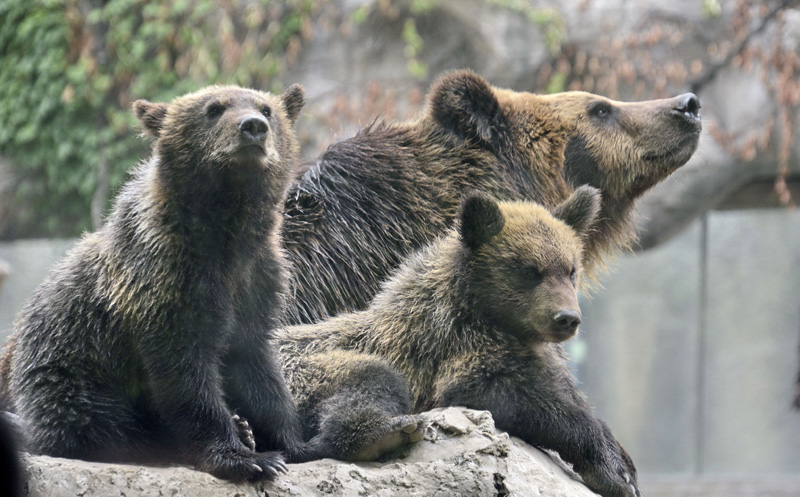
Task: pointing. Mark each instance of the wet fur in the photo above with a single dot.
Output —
(369, 201)
(465, 320)
(145, 338)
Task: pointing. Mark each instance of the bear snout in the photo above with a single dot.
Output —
(688, 105)
(253, 129)
(565, 323)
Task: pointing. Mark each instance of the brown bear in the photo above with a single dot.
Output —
(474, 319)
(370, 200)
(151, 331)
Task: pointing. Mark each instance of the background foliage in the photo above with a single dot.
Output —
(72, 68)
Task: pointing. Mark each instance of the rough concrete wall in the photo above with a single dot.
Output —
(27, 264)
(692, 349)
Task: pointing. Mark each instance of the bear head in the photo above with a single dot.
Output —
(569, 139)
(524, 262)
(224, 127)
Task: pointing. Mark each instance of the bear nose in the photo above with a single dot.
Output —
(688, 103)
(566, 320)
(253, 128)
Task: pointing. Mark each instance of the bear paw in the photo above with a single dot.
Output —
(403, 430)
(242, 465)
(620, 486)
(245, 432)
(612, 480)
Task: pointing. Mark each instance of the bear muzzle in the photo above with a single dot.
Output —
(687, 106)
(253, 131)
(564, 324)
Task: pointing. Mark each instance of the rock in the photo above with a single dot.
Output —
(462, 455)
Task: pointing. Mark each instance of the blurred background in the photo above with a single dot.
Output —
(690, 349)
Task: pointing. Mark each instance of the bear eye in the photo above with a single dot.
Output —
(266, 111)
(215, 110)
(600, 109)
(532, 274)
(573, 274)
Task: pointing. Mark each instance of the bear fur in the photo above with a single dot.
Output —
(369, 201)
(11, 484)
(475, 319)
(353, 406)
(151, 331)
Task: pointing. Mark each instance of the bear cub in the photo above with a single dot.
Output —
(152, 331)
(475, 319)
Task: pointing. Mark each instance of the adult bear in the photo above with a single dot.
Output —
(372, 199)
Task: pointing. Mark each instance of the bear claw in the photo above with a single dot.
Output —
(245, 432)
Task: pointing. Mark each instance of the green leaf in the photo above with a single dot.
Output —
(154, 50)
(557, 83)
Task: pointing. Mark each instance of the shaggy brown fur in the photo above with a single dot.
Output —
(146, 336)
(371, 200)
(475, 319)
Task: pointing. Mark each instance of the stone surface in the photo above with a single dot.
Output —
(462, 455)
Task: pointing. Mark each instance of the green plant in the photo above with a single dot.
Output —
(73, 67)
(549, 19)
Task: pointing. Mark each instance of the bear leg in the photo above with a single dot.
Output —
(358, 409)
(65, 414)
(358, 428)
(403, 430)
(535, 398)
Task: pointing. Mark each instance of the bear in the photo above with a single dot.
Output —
(370, 200)
(152, 331)
(353, 406)
(11, 484)
(474, 319)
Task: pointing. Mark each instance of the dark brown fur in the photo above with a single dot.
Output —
(151, 331)
(475, 319)
(371, 200)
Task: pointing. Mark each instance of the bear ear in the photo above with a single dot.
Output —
(481, 219)
(465, 104)
(151, 116)
(293, 100)
(581, 209)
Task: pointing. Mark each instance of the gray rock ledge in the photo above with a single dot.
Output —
(462, 455)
